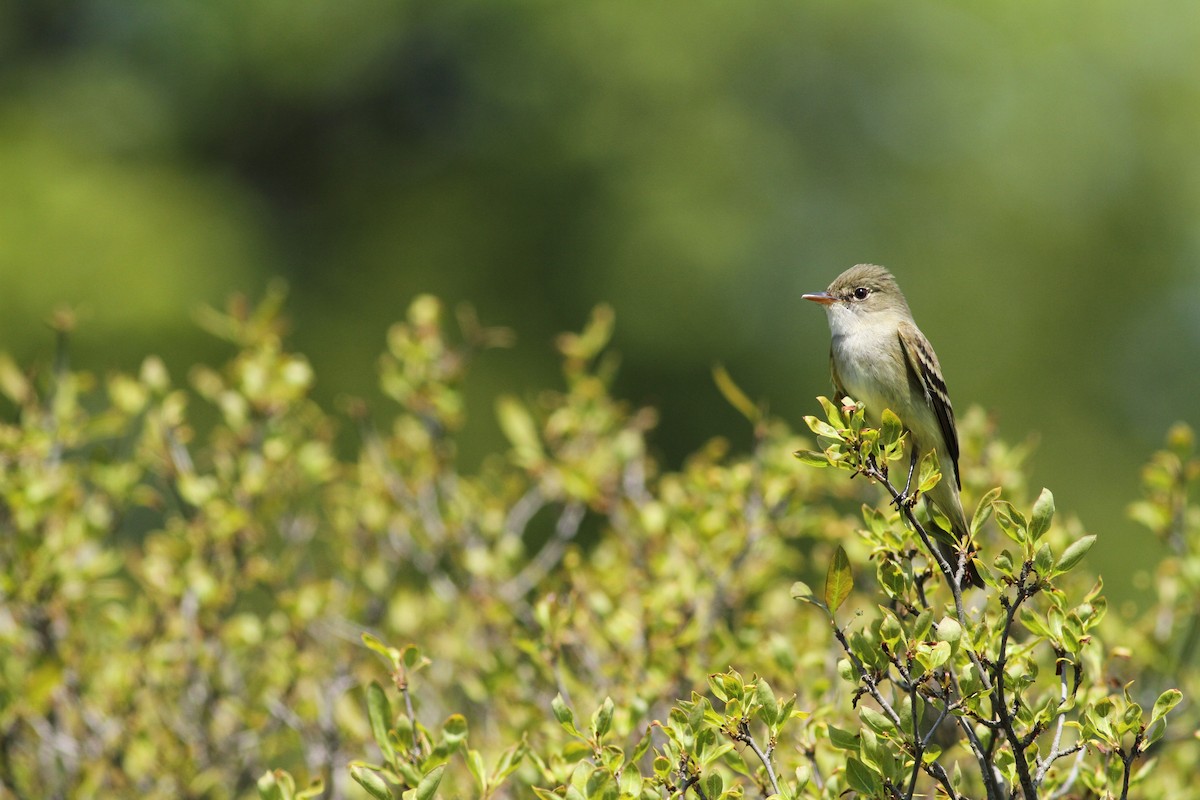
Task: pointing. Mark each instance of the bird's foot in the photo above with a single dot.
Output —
(908, 496)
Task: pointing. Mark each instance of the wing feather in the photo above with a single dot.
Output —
(926, 376)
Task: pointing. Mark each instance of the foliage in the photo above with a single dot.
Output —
(208, 610)
(697, 166)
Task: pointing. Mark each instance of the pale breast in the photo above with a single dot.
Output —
(873, 370)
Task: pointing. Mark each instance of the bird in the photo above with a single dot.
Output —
(879, 357)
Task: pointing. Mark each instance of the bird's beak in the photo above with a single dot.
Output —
(824, 298)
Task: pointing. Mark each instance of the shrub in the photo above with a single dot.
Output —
(206, 610)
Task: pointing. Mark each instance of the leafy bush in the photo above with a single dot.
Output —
(207, 610)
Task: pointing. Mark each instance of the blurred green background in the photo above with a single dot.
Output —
(1028, 170)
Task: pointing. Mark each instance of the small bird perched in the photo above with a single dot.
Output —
(880, 358)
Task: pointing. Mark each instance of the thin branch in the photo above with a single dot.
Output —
(919, 747)
(868, 680)
(1054, 753)
(743, 735)
(693, 783)
(1128, 760)
(550, 554)
(1024, 592)
(871, 469)
(412, 716)
(523, 511)
(1066, 787)
(934, 770)
(811, 753)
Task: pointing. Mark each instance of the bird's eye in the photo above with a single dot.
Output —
(861, 293)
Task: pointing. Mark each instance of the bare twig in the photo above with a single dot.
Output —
(1127, 759)
(1055, 753)
(1066, 787)
(550, 554)
(691, 781)
(743, 735)
(811, 753)
(1003, 712)
(523, 511)
(934, 770)
(872, 470)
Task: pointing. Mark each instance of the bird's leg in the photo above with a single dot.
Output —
(904, 496)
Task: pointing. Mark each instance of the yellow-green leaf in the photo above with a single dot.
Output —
(838, 580)
(379, 711)
(370, 780)
(734, 395)
(984, 509)
(1074, 553)
(1043, 513)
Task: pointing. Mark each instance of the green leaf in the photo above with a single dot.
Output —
(595, 335)
(890, 428)
(923, 625)
(714, 784)
(892, 578)
(802, 591)
(861, 779)
(833, 412)
(787, 711)
(564, 715)
(600, 785)
(371, 780)
(948, 630)
(822, 428)
(716, 685)
(984, 510)
(869, 751)
(519, 428)
(1034, 623)
(277, 785)
(508, 762)
(844, 740)
(734, 395)
(379, 711)
(602, 718)
(812, 458)
(1165, 702)
(408, 772)
(314, 790)
(390, 653)
(1132, 717)
(838, 580)
(1114, 770)
(1043, 513)
(454, 730)
(1043, 560)
(766, 699)
(631, 783)
(427, 788)
(478, 770)
(876, 520)
(933, 656)
(930, 472)
(876, 719)
(411, 656)
(1074, 554)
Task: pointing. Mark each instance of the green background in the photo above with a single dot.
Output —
(1028, 170)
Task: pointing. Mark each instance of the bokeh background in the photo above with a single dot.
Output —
(1030, 172)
